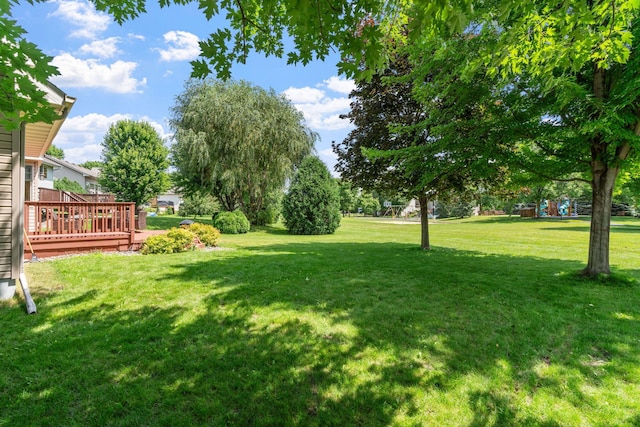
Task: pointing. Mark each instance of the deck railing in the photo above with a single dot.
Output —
(99, 198)
(49, 195)
(78, 218)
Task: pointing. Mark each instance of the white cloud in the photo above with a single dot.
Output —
(328, 153)
(322, 111)
(340, 85)
(83, 154)
(80, 137)
(135, 36)
(157, 126)
(324, 115)
(303, 95)
(334, 122)
(83, 16)
(107, 48)
(115, 77)
(181, 46)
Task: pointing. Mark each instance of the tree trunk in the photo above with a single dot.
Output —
(604, 174)
(603, 182)
(424, 222)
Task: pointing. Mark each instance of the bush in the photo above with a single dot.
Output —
(159, 244)
(243, 223)
(369, 204)
(65, 184)
(455, 209)
(197, 204)
(175, 240)
(207, 234)
(183, 238)
(270, 211)
(312, 205)
(231, 222)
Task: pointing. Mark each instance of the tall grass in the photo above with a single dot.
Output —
(492, 327)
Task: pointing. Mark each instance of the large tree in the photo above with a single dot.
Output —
(582, 56)
(135, 162)
(237, 141)
(379, 108)
(56, 152)
(570, 70)
(90, 164)
(425, 149)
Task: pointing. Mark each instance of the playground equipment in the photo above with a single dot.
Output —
(550, 208)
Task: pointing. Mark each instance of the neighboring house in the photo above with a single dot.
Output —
(87, 178)
(21, 157)
(38, 173)
(169, 196)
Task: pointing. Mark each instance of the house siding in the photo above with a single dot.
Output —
(17, 201)
(6, 193)
(63, 172)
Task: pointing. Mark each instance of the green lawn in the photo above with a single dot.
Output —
(490, 328)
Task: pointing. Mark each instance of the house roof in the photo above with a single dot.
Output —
(38, 136)
(63, 163)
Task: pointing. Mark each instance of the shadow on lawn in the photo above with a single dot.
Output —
(615, 229)
(335, 334)
(436, 326)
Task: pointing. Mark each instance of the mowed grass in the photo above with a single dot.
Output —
(490, 328)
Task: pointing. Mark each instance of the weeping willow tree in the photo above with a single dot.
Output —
(237, 142)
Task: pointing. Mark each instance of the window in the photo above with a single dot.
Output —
(43, 172)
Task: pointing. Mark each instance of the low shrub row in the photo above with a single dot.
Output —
(181, 239)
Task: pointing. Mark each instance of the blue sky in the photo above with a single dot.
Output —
(136, 70)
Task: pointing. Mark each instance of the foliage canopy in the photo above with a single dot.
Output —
(135, 162)
(237, 141)
(56, 152)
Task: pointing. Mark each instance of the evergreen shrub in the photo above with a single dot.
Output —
(312, 205)
(231, 222)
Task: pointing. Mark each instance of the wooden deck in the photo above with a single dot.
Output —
(64, 227)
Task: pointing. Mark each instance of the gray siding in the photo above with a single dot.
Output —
(71, 175)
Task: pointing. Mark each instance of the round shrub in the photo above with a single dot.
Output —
(243, 222)
(159, 244)
(231, 222)
(207, 234)
(312, 205)
(175, 240)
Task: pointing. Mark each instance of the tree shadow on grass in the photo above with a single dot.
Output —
(333, 334)
(270, 229)
(615, 229)
(468, 315)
